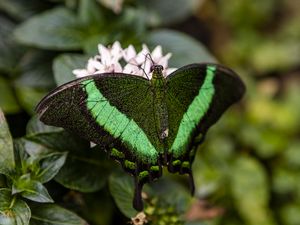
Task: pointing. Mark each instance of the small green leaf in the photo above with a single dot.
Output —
(250, 191)
(51, 214)
(8, 101)
(122, 189)
(49, 166)
(179, 45)
(31, 189)
(7, 162)
(54, 29)
(13, 211)
(64, 65)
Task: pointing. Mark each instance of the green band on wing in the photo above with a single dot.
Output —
(118, 125)
(195, 113)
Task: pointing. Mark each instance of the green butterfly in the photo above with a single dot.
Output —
(145, 124)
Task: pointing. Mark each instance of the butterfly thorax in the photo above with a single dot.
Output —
(158, 83)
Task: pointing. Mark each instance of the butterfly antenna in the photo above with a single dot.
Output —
(140, 67)
(148, 55)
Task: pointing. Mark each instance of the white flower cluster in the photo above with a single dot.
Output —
(108, 61)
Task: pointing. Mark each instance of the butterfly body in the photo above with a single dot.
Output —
(145, 124)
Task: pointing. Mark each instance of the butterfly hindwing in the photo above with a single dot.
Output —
(198, 94)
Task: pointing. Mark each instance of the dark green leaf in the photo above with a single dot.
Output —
(184, 49)
(11, 52)
(290, 214)
(13, 211)
(49, 166)
(8, 101)
(98, 208)
(65, 64)
(31, 189)
(7, 162)
(89, 12)
(121, 188)
(171, 193)
(35, 126)
(29, 97)
(20, 9)
(37, 70)
(20, 156)
(54, 29)
(51, 214)
(170, 11)
(85, 169)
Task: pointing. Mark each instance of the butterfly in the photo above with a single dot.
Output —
(145, 124)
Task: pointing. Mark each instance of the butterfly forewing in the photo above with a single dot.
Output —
(114, 107)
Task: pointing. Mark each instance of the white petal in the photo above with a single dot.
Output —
(142, 55)
(157, 53)
(105, 54)
(168, 71)
(129, 53)
(116, 51)
(147, 66)
(80, 73)
(117, 68)
(164, 60)
(131, 69)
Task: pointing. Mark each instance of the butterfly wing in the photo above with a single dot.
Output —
(115, 111)
(197, 96)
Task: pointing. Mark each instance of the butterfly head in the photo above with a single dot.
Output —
(155, 68)
(156, 71)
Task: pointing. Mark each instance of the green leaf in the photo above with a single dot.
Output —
(29, 97)
(290, 214)
(250, 191)
(11, 52)
(20, 9)
(89, 12)
(13, 211)
(122, 189)
(184, 49)
(65, 64)
(31, 189)
(54, 29)
(37, 70)
(8, 101)
(7, 162)
(21, 157)
(85, 169)
(51, 214)
(35, 126)
(170, 11)
(171, 193)
(49, 166)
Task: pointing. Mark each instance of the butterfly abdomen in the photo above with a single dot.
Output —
(160, 110)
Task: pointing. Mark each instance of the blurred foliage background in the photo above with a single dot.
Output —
(247, 171)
